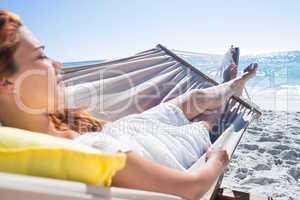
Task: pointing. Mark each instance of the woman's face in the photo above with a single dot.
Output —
(38, 86)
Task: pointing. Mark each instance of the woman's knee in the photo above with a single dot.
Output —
(200, 98)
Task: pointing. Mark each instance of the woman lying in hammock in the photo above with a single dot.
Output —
(155, 141)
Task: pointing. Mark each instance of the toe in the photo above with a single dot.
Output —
(252, 67)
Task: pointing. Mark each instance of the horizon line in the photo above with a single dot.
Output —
(189, 52)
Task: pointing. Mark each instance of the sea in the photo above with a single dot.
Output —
(267, 160)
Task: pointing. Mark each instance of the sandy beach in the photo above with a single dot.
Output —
(267, 161)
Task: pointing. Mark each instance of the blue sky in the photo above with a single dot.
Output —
(75, 30)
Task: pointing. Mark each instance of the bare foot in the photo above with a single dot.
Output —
(250, 71)
(230, 73)
(239, 83)
(233, 70)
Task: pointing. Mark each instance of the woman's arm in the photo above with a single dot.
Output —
(143, 174)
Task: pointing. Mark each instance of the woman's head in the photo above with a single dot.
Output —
(31, 87)
(23, 62)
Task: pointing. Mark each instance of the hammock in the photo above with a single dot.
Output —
(117, 88)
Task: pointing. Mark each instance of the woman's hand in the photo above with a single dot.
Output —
(218, 155)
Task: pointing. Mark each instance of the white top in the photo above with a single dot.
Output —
(162, 134)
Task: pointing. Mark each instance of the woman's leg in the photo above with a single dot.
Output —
(143, 174)
(199, 100)
(210, 118)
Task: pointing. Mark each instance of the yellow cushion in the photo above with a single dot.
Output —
(39, 154)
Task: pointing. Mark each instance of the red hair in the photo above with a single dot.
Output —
(74, 119)
(9, 39)
(77, 120)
